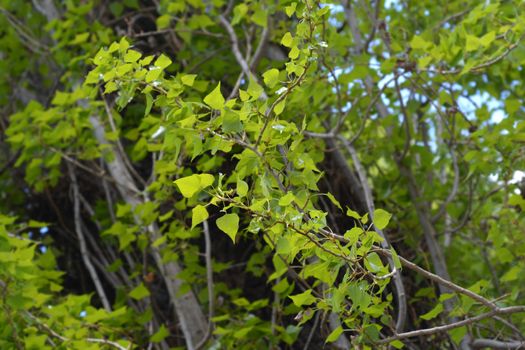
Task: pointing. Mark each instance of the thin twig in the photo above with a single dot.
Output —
(83, 246)
(447, 327)
(479, 67)
(235, 48)
(64, 339)
(209, 283)
(440, 280)
(120, 148)
(398, 283)
(312, 331)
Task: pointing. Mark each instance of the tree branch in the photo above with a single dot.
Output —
(447, 327)
(83, 246)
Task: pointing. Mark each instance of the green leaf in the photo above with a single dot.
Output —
(254, 89)
(132, 56)
(381, 218)
(123, 44)
(353, 214)
(239, 12)
(283, 246)
(79, 39)
(290, 10)
(458, 334)
(353, 234)
(373, 263)
(231, 122)
(215, 99)
(188, 79)
(287, 199)
(140, 292)
(37, 224)
(334, 335)
(433, 313)
(418, 42)
(305, 298)
(198, 215)
(123, 69)
(153, 74)
(279, 108)
(163, 21)
(260, 17)
(163, 61)
(242, 188)
(517, 200)
(294, 52)
(160, 335)
(512, 274)
(395, 257)
(192, 184)
(333, 200)
(472, 44)
(146, 60)
(398, 344)
(488, 38)
(229, 224)
(110, 87)
(271, 77)
(287, 40)
(149, 104)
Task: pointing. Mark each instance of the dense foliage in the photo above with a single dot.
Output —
(262, 174)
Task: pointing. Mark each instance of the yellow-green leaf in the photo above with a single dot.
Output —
(336, 333)
(254, 89)
(472, 44)
(229, 224)
(279, 108)
(132, 56)
(488, 38)
(290, 10)
(395, 258)
(287, 199)
(333, 200)
(287, 40)
(353, 214)
(242, 188)
(215, 99)
(260, 17)
(305, 298)
(398, 344)
(418, 42)
(433, 313)
(271, 77)
(381, 218)
(160, 335)
(373, 263)
(140, 292)
(353, 234)
(192, 184)
(163, 61)
(198, 215)
(188, 79)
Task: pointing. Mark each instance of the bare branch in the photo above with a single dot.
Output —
(480, 67)
(83, 246)
(400, 288)
(64, 339)
(209, 282)
(497, 344)
(447, 327)
(236, 51)
(445, 282)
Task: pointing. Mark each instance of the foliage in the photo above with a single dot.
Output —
(262, 174)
